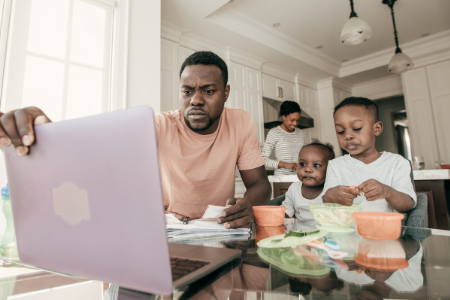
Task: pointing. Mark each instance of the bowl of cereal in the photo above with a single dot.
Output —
(334, 217)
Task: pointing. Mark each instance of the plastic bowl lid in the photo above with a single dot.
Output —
(376, 215)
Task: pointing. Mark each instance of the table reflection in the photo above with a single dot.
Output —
(371, 270)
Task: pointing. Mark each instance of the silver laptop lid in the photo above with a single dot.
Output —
(87, 200)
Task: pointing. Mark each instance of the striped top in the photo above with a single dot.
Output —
(287, 147)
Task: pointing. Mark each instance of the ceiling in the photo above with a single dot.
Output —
(319, 22)
(306, 25)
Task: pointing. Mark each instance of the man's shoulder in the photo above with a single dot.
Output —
(237, 118)
(168, 117)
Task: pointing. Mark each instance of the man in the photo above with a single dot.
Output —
(199, 146)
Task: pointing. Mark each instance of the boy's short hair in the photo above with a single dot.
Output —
(289, 107)
(207, 58)
(324, 146)
(370, 105)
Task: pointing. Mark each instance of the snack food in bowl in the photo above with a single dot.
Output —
(269, 215)
(334, 217)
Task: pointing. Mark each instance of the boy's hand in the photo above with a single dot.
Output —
(341, 195)
(374, 190)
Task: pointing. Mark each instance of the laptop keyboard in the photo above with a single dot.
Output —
(182, 266)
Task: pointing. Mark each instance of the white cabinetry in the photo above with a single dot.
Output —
(278, 89)
(270, 86)
(439, 81)
(169, 75)
(246, 94)
(427, 99)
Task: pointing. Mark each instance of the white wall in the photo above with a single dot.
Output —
(144, 54)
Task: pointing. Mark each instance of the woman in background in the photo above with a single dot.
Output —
(286, 139)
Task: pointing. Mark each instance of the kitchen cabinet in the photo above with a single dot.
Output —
(246, 94)
(427, 100)
(169, 75)
(278, 89)
(287, 90)
(439, 82)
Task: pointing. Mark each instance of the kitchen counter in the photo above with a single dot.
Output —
(431, 174)
(418, 175)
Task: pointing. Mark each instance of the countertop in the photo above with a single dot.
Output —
(418, 175)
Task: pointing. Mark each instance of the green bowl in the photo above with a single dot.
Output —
(333, 215)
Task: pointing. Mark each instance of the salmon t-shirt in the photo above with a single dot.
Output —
(198, 170)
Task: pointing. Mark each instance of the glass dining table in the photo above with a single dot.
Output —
(416, 266)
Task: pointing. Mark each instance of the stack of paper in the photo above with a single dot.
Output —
(207, 227)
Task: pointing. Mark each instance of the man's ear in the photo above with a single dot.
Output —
(227, 92)
(378, 126)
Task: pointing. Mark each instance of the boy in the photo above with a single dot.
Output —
(312, 167)
(383, 180)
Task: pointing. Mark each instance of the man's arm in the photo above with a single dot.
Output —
(240, 213)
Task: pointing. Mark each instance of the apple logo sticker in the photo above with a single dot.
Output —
(71, 203)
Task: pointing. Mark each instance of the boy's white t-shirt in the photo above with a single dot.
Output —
(390, 169)
(297, 205)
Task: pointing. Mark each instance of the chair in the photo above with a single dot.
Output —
(417, 217)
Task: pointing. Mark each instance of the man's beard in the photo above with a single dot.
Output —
(200, 130)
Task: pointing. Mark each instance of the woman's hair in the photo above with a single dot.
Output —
(324, 146)
(289, 107)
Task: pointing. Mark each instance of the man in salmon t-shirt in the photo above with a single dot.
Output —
(199, 146)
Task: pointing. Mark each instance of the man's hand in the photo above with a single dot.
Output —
(340, 194)
(16, 127)
(238, 214)
(375, 190)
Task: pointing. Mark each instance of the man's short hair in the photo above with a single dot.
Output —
(368, 104)
(207, 58)
(324, 146)
(289, 107)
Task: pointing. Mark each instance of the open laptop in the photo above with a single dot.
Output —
(87, 201)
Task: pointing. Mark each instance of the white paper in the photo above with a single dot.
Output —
(213, 212)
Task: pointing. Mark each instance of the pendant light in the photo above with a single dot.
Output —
(400, 62)
(356, 30)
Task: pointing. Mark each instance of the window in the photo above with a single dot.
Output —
(59, 57)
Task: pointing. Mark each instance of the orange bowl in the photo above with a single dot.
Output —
(269, 215)
(383, 226)
(381, 255)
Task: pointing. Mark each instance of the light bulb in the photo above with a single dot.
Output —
(355, 31)
(400, 63)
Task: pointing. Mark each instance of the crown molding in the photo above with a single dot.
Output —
(325, 83)
(171, 32)
(333, 82)
(301, 80)
(270, 37)
(244, 58)
(197, 43)
(379, 88)
(422, 48)
(278, 72)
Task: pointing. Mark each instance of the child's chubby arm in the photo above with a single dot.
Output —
(289, 202)
(375, 190)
